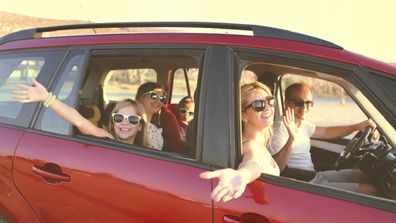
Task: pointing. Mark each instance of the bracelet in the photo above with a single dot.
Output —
(49, 102)
(48, 98)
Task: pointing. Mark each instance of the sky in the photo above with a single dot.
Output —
(364, 27)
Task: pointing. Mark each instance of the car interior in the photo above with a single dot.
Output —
(111, 78)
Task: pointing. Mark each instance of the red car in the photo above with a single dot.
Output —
(50, 172)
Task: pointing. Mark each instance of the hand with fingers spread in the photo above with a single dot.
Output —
(288, 120)
(231, 184)
(35, 93)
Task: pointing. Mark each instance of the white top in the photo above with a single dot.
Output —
(269, 165)
(154, 136)
(300, 156)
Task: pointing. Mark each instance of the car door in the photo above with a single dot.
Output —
(83, 179)
(273, 198)
(17, 68)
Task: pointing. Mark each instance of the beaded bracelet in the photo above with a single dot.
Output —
(49, 102)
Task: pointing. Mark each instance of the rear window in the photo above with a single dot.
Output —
(21, 68)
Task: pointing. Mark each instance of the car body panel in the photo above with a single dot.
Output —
(133, 188)
(267, 202)
(17, 209)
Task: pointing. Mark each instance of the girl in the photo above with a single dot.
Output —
(127, 124)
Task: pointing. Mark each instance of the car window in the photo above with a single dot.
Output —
(114, 76)
(123, 83)
(17, 71)
(21, 68)
(66, 91)
(184, 84)
(332, 105)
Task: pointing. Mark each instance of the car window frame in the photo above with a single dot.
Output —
(339, 69)
(197, 51)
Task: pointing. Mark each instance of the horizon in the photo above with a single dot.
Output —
(360, 27)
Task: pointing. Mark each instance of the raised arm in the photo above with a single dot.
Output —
(38, 93)
(283, 155)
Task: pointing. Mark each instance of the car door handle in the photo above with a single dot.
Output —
(51, 173)
(231, 219)
(245, 218)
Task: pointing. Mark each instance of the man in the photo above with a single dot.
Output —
(291, 142)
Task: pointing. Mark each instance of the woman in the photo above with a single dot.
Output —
(127, 124)
(152, 97)
(257, 106)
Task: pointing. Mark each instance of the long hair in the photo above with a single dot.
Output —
(146, 87)
(141, 136)
(246, 90)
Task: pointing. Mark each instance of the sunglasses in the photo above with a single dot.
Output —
(259, 105)
(301, 103)
(132, 119)
(186, 112)
(154, 95)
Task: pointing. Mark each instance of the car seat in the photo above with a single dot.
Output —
(171, 129)
(91, 112)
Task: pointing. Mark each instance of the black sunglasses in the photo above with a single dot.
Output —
(301, 103)
(259, 105)
(154, 95)
(185, 111)
(132, 119)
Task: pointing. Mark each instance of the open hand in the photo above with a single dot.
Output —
(288, 120)
(35, 93)
(231, 184)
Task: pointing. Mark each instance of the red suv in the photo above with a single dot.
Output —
(50, 172)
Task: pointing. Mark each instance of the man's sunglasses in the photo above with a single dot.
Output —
(132, 119)
(154, 95)
(186, 112)
(259, 105)
(301, 103)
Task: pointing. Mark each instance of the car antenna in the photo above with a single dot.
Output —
(86, 15)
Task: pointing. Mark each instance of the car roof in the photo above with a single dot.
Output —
(262, 37)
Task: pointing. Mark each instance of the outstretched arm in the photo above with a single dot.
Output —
(283, 155)
(232, 183)
(38, 93)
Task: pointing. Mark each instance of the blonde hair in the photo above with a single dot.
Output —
(246, 90)
(141, 136)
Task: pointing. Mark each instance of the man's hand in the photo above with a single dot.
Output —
(288, 120)
(367, 123)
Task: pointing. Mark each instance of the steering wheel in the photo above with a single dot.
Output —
(352, 147)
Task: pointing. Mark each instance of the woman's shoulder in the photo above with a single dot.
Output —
(153, 128)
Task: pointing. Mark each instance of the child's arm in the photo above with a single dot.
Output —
(38, 93)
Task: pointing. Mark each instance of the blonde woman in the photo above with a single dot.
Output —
(257, 106)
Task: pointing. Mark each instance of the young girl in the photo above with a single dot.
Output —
(257, 107)
(152, 97)
(185, 116)
(127, 124)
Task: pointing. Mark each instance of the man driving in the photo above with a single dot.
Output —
(290, 145)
